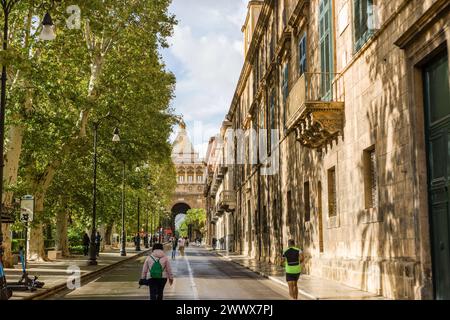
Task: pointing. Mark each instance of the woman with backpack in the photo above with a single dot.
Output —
(156, 272)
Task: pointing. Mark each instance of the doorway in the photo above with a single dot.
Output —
(319, 211)
(437, 114)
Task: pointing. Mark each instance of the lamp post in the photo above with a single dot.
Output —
(138, 236)
(7, 7)
(149, 236)
(146, 230)
(123, 251)
(92, 246)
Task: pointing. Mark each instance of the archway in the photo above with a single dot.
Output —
(178, 212)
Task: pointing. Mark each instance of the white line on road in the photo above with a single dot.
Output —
(191, 278)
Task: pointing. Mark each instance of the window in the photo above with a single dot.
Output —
(200, 178)
(290, 219)
(190, 179)
(363, 19)
(332, 202)
(326, 48)
(302, 55)
(272, 123)
(272, 42)
(272, 119)
(370, 178)
(181, 179)
(307, 202)
(285, 89)
(256, 74)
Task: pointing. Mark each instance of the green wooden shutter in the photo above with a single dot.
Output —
(326, 48)
(302, 55)
(364, 22)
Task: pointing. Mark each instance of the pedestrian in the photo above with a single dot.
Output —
(214, 243)
(156, 272)
(186, 242)
(146, 240)
(86, 242)
(293, 258)
(174, 247)
(98, 241)
(136, 240)
(181, 244)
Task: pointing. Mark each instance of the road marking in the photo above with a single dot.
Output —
(191, 279)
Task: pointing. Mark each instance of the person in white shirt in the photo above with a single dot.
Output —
(181, 244)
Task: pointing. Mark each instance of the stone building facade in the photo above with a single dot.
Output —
(219, 193)
(190, 171)
(358, 91)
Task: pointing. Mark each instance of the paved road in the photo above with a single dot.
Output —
(199, 275)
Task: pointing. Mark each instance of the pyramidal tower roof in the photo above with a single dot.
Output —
(182, 149)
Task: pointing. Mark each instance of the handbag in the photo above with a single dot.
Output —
(144, 282)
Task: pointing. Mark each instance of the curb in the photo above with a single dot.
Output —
(278, 281)
(86, 278)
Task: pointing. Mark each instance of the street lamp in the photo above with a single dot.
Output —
(138, 236)
(116, 138)
(48, 29)
(149, 236)
(146, 230)
(123, 251)
(7, 7)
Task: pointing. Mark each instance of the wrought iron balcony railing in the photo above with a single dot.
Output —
(315, 108)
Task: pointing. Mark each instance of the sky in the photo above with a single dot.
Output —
(206, 56)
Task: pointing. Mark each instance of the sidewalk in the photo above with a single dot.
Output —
(54, 273)
(309, 286)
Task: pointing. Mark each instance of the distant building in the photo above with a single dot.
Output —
(190, 171)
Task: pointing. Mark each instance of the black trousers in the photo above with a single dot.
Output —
(86, 249)
(157, 288)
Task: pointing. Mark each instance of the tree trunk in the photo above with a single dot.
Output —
(108, 234)
(62, 219)
(13, 152)
(36, 249)
(7, 253)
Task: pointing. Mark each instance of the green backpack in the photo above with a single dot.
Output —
(157, 270)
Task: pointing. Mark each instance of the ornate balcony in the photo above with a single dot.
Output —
(295, 10)
(315, 109)
(227, 200)
(222, 170)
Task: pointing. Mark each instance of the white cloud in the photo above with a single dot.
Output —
(206, 56)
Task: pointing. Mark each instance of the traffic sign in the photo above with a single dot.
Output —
(27, 208)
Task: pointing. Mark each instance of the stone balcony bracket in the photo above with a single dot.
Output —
(317, 119)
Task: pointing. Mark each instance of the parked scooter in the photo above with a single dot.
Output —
(26, 283)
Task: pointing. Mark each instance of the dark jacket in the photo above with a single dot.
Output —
(86, 240)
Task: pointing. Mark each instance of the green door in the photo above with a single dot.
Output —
(437, 105)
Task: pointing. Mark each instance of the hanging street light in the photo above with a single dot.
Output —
(48, 28)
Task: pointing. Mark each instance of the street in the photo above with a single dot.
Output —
(200, 275)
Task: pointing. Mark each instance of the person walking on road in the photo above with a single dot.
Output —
(86, 242)
(174, 247)
(156, 272)
(292, 258)
(181, 244)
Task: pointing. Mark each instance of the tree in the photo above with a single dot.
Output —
(195, 219)
(65, 85)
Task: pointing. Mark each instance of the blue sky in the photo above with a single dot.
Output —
(206, 55)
